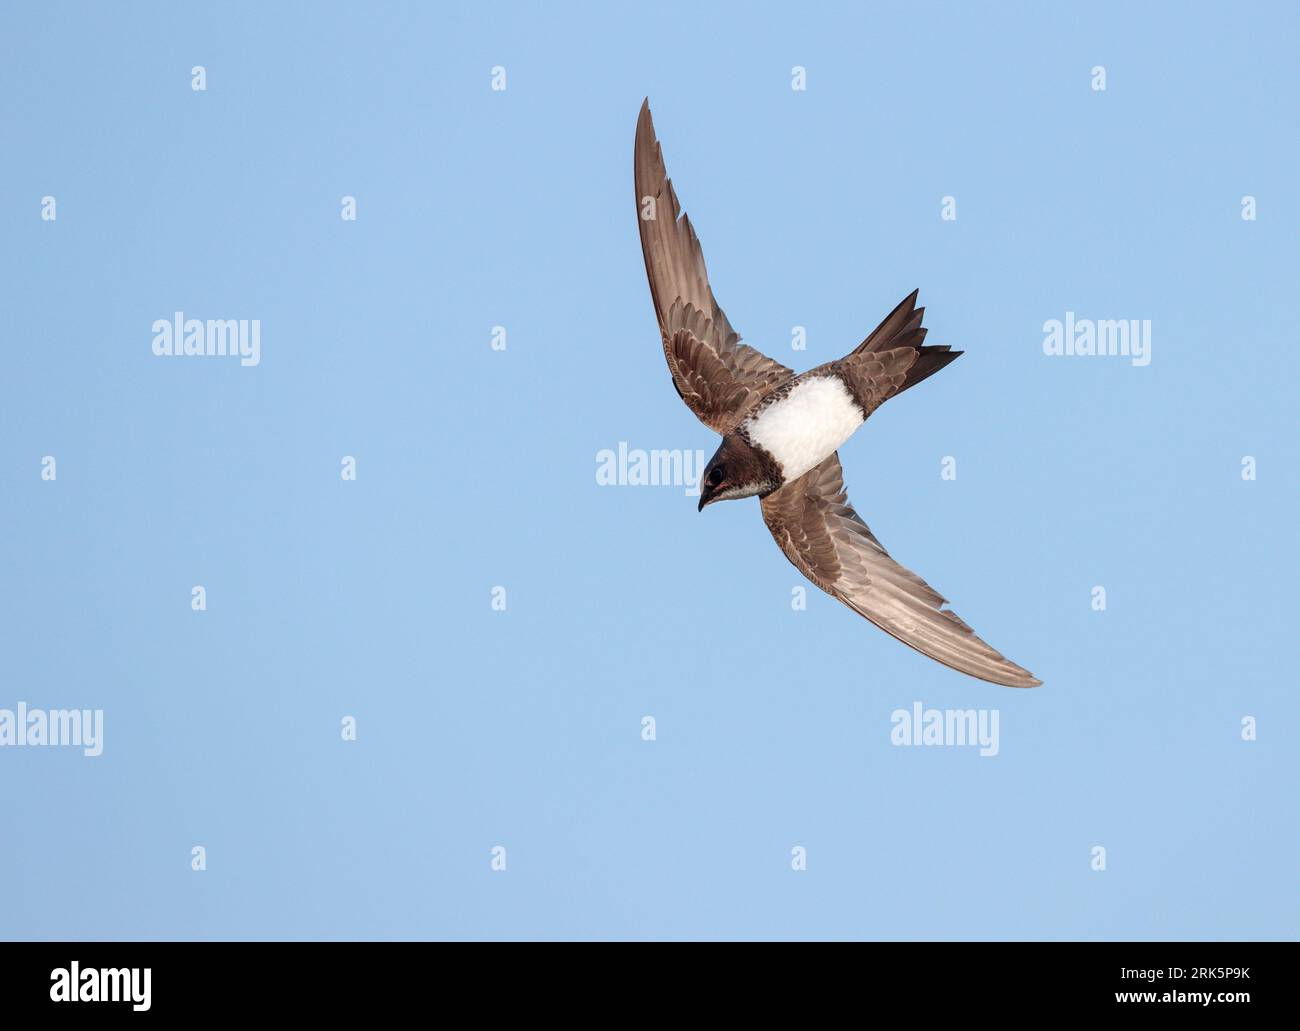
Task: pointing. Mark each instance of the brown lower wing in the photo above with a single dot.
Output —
(826, 540)
(714, 372)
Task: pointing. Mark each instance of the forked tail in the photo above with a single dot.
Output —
(902, 328)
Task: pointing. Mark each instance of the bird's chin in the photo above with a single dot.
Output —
(708, 497)
(726, 493)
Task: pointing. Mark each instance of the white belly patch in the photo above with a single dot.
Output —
(807, 425)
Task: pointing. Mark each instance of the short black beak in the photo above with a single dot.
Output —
(706, 496)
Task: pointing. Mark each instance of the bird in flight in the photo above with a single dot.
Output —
(781, 431)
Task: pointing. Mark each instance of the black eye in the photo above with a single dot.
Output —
(716, 475)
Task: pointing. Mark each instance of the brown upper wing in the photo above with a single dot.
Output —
(820, 533)
(717, 376)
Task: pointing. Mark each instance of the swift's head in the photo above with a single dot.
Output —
(737, 470)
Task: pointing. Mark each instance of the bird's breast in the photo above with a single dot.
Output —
(807, 425)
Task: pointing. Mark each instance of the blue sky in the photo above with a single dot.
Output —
(476, 468)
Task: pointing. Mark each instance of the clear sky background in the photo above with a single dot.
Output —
(476, 468)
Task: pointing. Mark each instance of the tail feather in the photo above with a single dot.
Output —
(902, 328)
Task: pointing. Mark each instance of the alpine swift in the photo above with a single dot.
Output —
(781, 431)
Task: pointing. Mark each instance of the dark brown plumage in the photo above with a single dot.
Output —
(902, 328)
(717, 376)
(828, 542)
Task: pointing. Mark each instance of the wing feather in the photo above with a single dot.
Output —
(828, 542)
(717, 376)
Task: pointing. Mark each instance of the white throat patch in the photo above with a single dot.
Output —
(806, 426)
